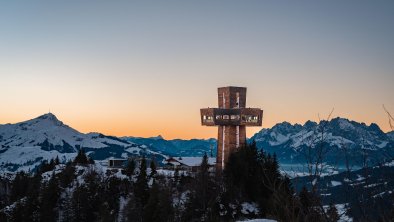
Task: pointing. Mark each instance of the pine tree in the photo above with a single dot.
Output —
(133, 211)
(130, 167)
(49, 197)
(141, 189)
(176, 178)
(104, 213)
(332, 213)
(52, 164)
(152, 168)
(90, 160)
(92, 182)
(309, 206)
(67, 175)
(203, 195)
(66, 207)
(18, 186)
(151, 209)
(203, 181)
(57, 162)
(159, 206)
(87, 198)
(305, 200)
(80, 204)
(81, 157)
(31, 207)
(17, 214)
(253, 176)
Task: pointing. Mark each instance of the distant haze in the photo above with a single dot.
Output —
(146, 68)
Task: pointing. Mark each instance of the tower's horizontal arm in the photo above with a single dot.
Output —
(236, 116)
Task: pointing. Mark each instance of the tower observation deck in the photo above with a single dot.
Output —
(232, 117)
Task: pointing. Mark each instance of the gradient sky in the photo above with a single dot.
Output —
(146, 68)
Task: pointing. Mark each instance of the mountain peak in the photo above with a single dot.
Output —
(159, 137)
(51, 117)
(374, 126)
(343, 123)
(47, 115)
(310, 124)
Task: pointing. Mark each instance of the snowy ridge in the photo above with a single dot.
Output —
(338, 134)
(24, 145)
(48, 128)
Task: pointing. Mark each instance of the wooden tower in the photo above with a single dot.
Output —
(231, 117)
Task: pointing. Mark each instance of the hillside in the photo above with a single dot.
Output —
(370, 189)
(23, 146)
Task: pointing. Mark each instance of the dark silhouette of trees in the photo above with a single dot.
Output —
(203, 195)
(80, 204)
(130, 167)
(332, 213)
(309, 211)
(49, 196)
(152, 167)
(159, 205)
(251, 177)
(81, 158)
(141, 186)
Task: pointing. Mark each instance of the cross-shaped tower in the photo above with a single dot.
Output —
(232, 118)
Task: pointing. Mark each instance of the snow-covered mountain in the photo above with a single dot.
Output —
(338, 137)
(25, 145)
(177, 147)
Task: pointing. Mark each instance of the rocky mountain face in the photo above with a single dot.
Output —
(23, 146)
(337, 138)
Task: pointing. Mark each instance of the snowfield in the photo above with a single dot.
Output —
(24, 146)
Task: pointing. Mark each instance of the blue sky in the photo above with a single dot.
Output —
(145, 68)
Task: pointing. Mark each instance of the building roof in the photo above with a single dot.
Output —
(195, 161)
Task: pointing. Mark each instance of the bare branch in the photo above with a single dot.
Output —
(390, 117)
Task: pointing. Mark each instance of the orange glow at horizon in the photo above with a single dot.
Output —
(186, 128)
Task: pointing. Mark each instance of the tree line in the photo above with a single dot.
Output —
(77, 192)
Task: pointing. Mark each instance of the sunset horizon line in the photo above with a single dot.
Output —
(166, 137)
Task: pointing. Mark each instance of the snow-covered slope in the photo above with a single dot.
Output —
(25, 145)
(48, 129)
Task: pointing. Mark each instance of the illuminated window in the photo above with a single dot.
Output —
(207, 118)
(250, 118)
(234, 117)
